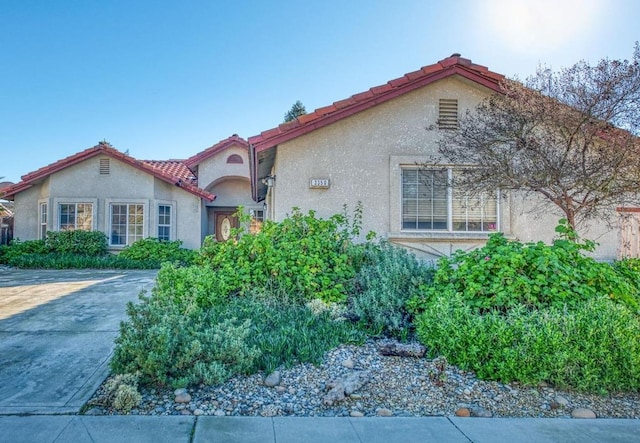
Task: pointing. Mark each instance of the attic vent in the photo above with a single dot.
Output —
(448, 114)
(104, 166)
(235, 159)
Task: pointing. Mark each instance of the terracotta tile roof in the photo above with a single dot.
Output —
(174, 168)
(234, 140)
(454, 65)
(161, 172)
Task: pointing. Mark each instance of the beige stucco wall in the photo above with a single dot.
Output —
(82, 183)
(362, 156)
(216, 166)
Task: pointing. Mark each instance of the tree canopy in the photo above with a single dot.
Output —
(569, 136)
(296, 110)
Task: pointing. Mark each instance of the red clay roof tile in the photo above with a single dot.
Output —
(161, 172)
(453, 65)
(234, 140)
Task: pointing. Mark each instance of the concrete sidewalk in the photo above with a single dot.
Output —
(79, 429)
(57, 331)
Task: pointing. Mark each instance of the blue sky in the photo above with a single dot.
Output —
(167, 79)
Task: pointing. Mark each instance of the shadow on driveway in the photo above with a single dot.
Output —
(56, 334)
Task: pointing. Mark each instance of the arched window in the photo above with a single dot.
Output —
(235, 159)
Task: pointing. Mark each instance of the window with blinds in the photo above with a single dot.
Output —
(431, 202)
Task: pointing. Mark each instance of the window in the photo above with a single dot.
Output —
(43, 220)
(430, 201)
(424, 199)
(448, 113)
(127, 223)
(257, 218)
(75, 216)
(164, 222)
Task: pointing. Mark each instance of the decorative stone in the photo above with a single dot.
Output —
(478, 411)
(198, 412)
(397, 349)
(291, 391)
(583, 413)
(562, 401)
(384, 412)
(180, 391)
(348, 363)
(183, 397)
(272, 379)
(280, 389)
(347, 386)
(463, 412)
(185, 412)
(356, 414)
(219, 413)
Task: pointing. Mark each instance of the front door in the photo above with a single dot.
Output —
(225, 221)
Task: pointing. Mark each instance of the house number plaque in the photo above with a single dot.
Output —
(319, 183)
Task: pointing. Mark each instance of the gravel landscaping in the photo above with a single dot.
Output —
(384, 386)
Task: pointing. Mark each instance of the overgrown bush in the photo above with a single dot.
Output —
(77, 242)
(160, 251)
(171, 340)
(288, 333)
(390, 277)
(594, 346)
(175, 342)
(18, 248)
(507, 274)
(303, 255)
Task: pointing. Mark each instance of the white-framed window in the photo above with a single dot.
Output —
(431, 202)
(127, 222)
(43, 217)
(164, 222)
(75, 216)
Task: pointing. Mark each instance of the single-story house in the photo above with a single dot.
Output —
(104, 189)
(365, 148)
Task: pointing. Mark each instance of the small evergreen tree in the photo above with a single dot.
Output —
(296, 110)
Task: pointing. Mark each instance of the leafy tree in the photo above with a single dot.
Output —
(568, 136)
(296, 110)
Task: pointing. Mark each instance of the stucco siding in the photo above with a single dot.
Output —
(123, 184)
(355, 154)
(216, 166)
(363, 155)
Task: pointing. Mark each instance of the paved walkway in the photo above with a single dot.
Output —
(56, 337)
(80, 429)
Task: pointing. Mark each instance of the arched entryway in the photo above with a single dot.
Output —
(231, 193)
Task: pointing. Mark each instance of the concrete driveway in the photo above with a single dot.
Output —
(56, 334)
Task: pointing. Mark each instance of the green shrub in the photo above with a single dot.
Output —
(77, 242)
(74, 261)
(174, 342)
(303, 255)
(507, 274)
(196, 283)
(152, 249)
(390, 277)
(594, 347)
(288, 333)
(19, 248)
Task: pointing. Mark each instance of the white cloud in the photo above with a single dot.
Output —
(538, 26)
